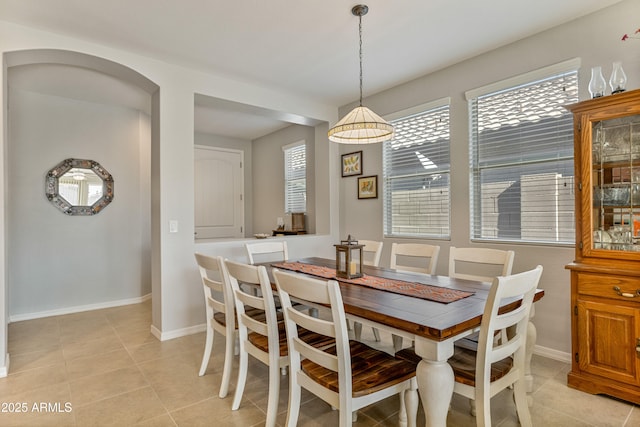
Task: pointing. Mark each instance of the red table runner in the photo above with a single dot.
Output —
(412, 289)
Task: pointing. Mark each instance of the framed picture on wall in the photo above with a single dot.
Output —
(352, 164)
(368, 187)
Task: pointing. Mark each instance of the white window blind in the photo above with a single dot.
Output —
(416, 175)
(295, 177)
(521, 161)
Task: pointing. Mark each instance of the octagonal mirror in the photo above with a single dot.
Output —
(79, 187)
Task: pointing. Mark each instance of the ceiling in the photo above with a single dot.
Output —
(303, 47)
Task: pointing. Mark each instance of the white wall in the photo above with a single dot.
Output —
(58, 262)
(596, 40)
(268, 176)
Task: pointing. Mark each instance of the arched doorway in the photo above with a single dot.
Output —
(64, 104)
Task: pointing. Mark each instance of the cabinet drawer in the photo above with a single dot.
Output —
(601, 285)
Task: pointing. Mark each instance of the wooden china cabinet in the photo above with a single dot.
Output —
(605, 276)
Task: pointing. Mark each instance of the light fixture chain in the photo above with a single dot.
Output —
(360, 56)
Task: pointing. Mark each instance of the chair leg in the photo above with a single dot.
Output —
(207, 350)
(228, 363)
(531, 341)
(274, 392)
(242, 379)
(294, 401)
(346, 414)
(412, 403)
(483, 409)
(402, 413)
(409, 405)
(522, 406)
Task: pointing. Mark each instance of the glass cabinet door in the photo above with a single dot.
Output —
(616, 184)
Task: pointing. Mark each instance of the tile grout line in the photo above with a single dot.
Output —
(139, 368)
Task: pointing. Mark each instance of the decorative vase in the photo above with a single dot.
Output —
(597, 85)
(618, 80)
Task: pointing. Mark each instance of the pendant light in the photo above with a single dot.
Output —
(361, 125)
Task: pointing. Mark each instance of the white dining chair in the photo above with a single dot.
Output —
(257, 337)
(348, 375)
(498, 364)
(262, 338)
(371, 254)
(476, 264)
(220, 312)
(414, 257)
(480, 264)
(493, 365)
(267, 251)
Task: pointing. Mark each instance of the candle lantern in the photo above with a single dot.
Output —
(349, 259)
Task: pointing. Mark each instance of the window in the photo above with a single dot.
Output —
(521, 157)
(295, 177)
(416, 173)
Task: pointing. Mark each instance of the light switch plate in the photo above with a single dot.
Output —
(173, 226)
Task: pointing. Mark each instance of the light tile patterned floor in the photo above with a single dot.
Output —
(103, 368)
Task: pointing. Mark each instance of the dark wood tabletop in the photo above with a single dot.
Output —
(429, 319)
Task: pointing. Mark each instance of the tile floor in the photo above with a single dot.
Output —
(103, 368)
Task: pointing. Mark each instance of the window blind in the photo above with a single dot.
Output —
(521, 161)
(416, 169)
(295, 178)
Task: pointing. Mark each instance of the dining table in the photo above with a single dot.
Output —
(432, 321)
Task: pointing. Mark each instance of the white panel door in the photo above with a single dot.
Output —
(219, 206)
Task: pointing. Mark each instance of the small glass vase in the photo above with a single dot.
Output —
(597, 85)
(618, 80)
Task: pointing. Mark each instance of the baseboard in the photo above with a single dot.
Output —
(550, 353)
(156, 333)
(78, 309)
(4, 370)
(177, 333)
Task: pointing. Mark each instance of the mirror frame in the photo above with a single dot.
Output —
(51, 187)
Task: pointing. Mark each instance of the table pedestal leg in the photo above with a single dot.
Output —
(435, 385)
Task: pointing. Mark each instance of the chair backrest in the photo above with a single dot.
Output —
(216, 285)
(327, 293)
(489, 350)
(425, 255)
(485, 263)
(267, 251)
(371, 252)
(253, 276)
